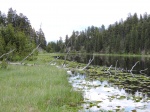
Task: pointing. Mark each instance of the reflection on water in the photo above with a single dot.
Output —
(123, 62)
(104, 96)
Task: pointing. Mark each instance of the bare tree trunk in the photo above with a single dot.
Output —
(116, 67)
(30, 54)
(90, 61)
(7, 53)
(66, 58)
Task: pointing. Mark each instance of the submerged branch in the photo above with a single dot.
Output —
(108, 70)
(141, 71)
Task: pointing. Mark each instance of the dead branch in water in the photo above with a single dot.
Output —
(66, 45)
(133, 68)
(66, 58)
(141, 71)
(7, 53)
(30, 54)
(90, 61)
(116, 67)
(108, 70)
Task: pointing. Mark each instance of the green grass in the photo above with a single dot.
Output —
(39, 88)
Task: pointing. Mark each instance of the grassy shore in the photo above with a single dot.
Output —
(39, 88)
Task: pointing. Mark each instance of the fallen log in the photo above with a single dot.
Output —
(30, 54)
(7, 53)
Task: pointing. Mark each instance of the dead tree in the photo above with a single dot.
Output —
(66, 58)
(90, 61)
(7, 53)
(108, 70)
(133, 68)
(116, 67)
(30, 54)
(67, 53)
(141, 71)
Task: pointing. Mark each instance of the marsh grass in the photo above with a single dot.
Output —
(40, 88)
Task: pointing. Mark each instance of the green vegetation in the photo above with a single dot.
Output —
(38, 88)
(130, 36)
(17, 33)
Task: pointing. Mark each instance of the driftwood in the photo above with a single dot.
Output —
(7, 53)
(30, 54)
(21, 64)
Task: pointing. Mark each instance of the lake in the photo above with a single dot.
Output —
(124, 94)
(102, 96)
(125, 62)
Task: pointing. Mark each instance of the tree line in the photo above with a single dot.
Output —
(131, 36)
(17, 33)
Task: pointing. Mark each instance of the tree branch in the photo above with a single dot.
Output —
(7, 53)
(108, 71)
(116, 67)
(30, 54)
(66, 58)
(141, 71)
(90, 61)
(133, 68)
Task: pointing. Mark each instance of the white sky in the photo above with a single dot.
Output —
(61, 17)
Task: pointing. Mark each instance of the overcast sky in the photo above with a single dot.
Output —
(61, 17)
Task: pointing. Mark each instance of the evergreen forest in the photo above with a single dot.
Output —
(16, 33)
(131, 36)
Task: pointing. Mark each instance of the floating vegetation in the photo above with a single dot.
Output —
(116, 88)
(118, 94)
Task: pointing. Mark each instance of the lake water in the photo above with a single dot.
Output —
(124, 62)
(101, 96)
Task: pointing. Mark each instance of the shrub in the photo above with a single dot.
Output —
(4, 64)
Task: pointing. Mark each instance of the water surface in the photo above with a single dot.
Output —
(105, 96)
(125, 62)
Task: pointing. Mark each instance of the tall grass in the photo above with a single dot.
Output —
(40, 88)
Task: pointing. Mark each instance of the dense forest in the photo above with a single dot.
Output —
(17, 33)
(131, 36)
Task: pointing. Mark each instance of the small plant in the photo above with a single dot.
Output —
(4, 64)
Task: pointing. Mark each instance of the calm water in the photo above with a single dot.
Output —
(104, 96)
(123, 62)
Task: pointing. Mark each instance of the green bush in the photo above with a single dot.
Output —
(4, 64)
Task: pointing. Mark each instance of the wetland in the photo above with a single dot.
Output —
(109, 85)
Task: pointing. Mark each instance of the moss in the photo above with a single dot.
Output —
(121, 97)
